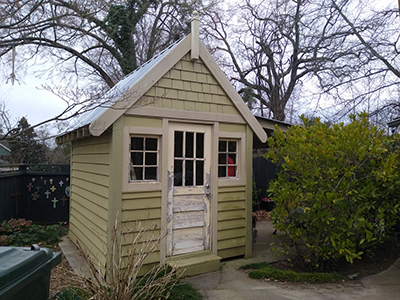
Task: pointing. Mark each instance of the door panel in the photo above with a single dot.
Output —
(188, 208)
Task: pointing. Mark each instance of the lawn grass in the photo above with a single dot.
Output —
(266, 271)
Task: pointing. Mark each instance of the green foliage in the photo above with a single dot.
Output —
(264, 270)
(337, 192)
(258, 265)
(73, 293)
(24, 148)
(14, 225)
(184, 291)
(49, 235)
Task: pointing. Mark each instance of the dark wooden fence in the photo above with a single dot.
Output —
(264, 171)
(35, 192)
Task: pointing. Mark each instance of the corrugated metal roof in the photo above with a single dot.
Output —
(119, 89)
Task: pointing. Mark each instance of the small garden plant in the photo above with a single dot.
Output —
(14, 225)
(23, 232)
(338, 189)
(125, 258)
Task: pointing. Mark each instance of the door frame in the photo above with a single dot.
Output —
(165, 179)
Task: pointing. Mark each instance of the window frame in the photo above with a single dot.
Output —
(144, 151)
(227, 153)
(240, 178)
(129, 185)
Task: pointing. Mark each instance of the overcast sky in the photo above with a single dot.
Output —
(26, 99)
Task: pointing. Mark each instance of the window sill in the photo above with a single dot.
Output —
(141, 186)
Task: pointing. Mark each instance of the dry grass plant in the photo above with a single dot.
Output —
(122, 280)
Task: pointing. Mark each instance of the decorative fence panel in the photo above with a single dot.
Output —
(35, 192)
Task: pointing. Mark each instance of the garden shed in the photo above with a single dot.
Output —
(174, 147)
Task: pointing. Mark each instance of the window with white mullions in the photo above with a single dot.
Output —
(188, 158)
(144, 163)
(227, 158)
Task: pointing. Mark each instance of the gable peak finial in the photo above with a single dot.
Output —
(195, 37)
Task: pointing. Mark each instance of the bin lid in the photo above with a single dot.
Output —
(15, 262)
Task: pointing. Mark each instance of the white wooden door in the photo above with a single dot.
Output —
(189, 190)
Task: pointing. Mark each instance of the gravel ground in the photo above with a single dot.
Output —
(62, 276)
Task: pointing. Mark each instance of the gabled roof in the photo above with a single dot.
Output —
(120, 88)
(141, 80)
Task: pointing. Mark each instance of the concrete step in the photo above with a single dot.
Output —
(196, 265)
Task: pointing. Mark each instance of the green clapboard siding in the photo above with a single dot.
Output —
(232, 252)
(142, 209)
(90, 161)
(231, 226)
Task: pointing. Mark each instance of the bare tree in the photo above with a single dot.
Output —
(271, 47)
(89, 45)
(377, 78)
(278, 44)
(106, 38)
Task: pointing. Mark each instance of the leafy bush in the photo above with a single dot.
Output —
(337, 192)
(13, 225)
(49, 235)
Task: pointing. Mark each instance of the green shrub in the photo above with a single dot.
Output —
(49, 235)
(13, 225)
(337, 192)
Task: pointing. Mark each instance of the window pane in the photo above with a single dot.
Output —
(188, 172)
(221, 171)
(137, 158)
(178, 144)
(136, 143)
(222, 146)
(228, 158)
(199, 172)
(189, 144)
(232, 171)
(177, 172)
(231, 159)
(151, 159)
(150, 173)
(231, 146)
(222, 159)
(137, 173)
(200, 145)
(151, 144)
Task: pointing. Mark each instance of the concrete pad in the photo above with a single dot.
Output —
(75, 258)
(397, 263)
(231, 284)
(207, 281)
(391, 276)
